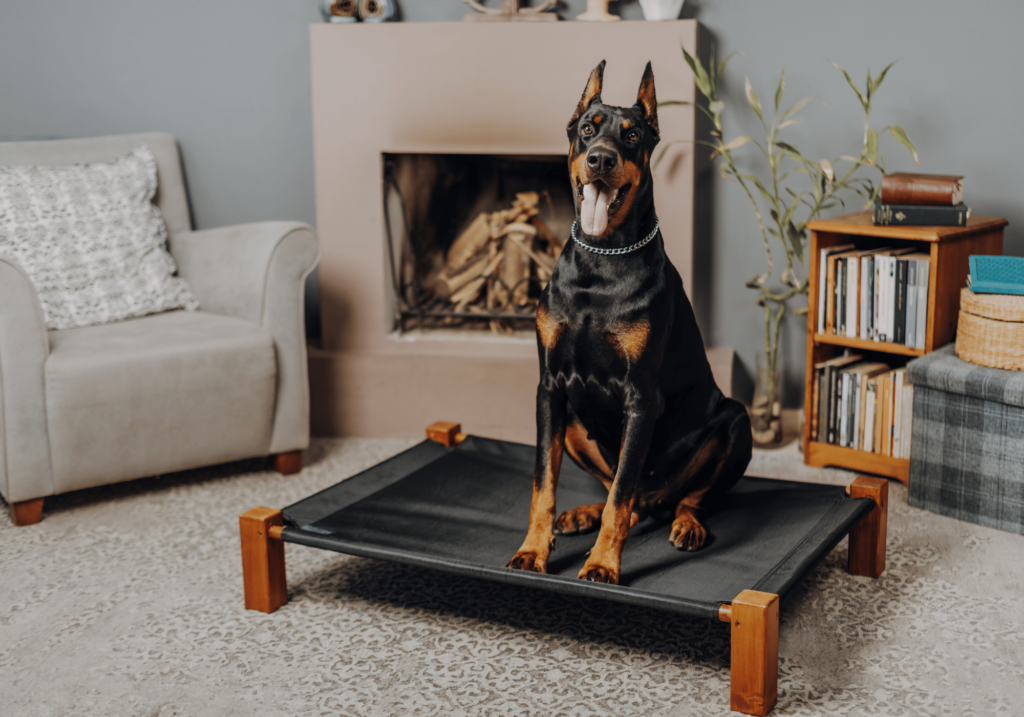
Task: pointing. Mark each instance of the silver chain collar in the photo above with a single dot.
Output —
(623, 250)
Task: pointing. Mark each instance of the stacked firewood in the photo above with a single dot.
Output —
(498, 264)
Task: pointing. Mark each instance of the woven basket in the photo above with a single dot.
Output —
(990, 331)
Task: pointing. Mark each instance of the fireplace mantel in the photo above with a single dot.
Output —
(501, 88)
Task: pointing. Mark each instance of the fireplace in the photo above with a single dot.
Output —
(455, 120)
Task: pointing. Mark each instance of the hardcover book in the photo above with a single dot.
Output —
(915, 188)
(913, 215)
(996, 274)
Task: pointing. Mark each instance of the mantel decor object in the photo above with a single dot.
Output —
(339, 10)
(376, 10)
(597, 11)
(510, 12)
(661, 9)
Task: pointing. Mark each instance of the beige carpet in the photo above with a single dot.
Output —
(126, 600)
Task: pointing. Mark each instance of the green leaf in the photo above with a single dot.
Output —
(778, 92)
(720, 71)
(856, 89)
(901, 137)
(670, 103)
(796, 241)
(798, 106)
(755, 104)
(872, 146)
(700, 75)
(878, 80)
(738, 142)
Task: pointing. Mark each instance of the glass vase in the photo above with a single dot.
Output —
(766, 408)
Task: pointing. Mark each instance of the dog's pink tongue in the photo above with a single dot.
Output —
(594, 212)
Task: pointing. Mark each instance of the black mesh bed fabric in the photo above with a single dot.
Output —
(464, 510)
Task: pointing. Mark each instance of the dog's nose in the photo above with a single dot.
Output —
(602, 159)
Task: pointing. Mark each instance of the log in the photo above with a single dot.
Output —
(516, 267)
(469, 242)
(445, 285)
(554, 244)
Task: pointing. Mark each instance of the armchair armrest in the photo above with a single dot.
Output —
(25, 469)
(257, 272)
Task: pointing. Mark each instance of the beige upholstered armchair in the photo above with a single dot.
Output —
(89, 406)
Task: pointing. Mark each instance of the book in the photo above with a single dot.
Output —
(885, 444)
(899, 303)
(922, 300)
(843, 407)
(996, 274)
(916, 293)
(822, 282)
(822, 435)
(864, 373)
(908, 417)
(910, 335)
(897, 413)
(870, 404)
(920, 215)
(866, 287)
(915, 188)
(852, 272)
(841, 297)
(827, 394)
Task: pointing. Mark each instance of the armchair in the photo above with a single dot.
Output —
(102, 404)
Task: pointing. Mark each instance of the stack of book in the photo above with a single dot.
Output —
(874, 294)
(862, 405)
(922, 200)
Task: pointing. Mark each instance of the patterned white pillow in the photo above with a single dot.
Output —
(91, 240)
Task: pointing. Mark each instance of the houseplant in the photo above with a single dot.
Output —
(795, 191)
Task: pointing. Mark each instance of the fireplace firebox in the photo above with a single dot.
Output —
(472, 238)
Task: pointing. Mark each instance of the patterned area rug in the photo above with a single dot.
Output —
(126, 600)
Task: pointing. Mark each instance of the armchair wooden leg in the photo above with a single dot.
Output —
(754, 617)
(263, 571)
(288, 463)
(27, 512)
(867, 539)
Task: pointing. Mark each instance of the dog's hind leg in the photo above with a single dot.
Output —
(715, 468)
(587, 455)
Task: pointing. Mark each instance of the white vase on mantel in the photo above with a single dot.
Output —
(661, 9)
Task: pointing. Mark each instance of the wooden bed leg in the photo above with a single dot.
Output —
(754, 619)
(288, 463)
(446, 433)
(27, 512)
(266, 585)
(867, 539)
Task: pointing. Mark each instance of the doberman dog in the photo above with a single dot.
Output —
(625, 386)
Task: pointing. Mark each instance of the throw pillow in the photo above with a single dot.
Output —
(91, 240)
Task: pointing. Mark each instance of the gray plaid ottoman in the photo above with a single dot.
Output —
(967, 443)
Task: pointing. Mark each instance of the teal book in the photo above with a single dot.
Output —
(920, 215)
(996, 274)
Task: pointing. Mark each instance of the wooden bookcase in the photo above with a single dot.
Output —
(949, 249)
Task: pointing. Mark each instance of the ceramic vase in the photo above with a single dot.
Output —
(661, 9)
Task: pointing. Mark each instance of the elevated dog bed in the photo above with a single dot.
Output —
(460, 504)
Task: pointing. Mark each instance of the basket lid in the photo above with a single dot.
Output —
(1001, 307)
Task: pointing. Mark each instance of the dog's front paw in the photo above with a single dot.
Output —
(599, 574)
(688, 535)
(529, 561)
(579, 520)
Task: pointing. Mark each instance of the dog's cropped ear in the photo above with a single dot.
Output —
(591, 94)
(648, 102)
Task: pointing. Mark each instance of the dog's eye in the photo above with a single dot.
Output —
(587, 130)
(633, 136)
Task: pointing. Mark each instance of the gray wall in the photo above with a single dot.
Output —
(231, 81)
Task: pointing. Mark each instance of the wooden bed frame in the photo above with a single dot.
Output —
(753, 615)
